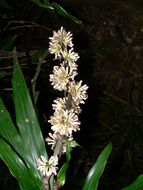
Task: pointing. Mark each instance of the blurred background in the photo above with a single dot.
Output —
(110, 44)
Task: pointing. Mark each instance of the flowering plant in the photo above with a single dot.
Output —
(64, 120)
(22, 146)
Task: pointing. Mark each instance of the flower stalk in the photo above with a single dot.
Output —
(64, 121)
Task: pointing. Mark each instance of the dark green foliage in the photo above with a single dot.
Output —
(91, 182)
(136, 185)
(55, 6)
(20, 148)
(110, 47)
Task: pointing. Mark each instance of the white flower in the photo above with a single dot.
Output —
(52, 140)
(73, 66)
(66, 103)
(78, 92)
(70, 56)
(61, 76)
(56, 49)
(59, 103)
(62, 38)
(64, 122)
(47, 167)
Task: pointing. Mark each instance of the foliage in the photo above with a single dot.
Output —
(91, 182)
(56, 7)
(21, 147)
(126, 130)
(136, 185)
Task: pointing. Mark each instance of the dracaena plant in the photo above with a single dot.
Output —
(22, 147)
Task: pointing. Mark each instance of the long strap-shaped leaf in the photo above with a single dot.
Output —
(41, 4)
(136, 185)
(10, 134)
(27, 142)
(8, 130)
(16, 166)
(61, 11)
(91, 182)
(26, 118)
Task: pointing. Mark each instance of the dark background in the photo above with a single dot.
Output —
(110, 44)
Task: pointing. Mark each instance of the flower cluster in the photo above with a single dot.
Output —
(64, 120)
(47, 167)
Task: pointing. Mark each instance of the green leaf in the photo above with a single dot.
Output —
(74, 144)
(91, 182)
(26, 118)
(43, 5)
(62, 173)
(61, 178)
(16, 166)
(25, 144)
(63, 12)
(10, 134)
(136, 185)
(58, 8)
(8, 131)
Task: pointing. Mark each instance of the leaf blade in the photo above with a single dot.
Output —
(136, 185)
(7, 128)
(62, 12)
(10, 134)
(97, 169)
(26, 118)
(16, 166)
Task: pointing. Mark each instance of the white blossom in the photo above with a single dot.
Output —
(47, 167)
(73, 66)
(59, 103)
(52, 140)
(56, 49)
(70, 56)
(78, 92)
(64, 122)
(62, 38)
(61, 76)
